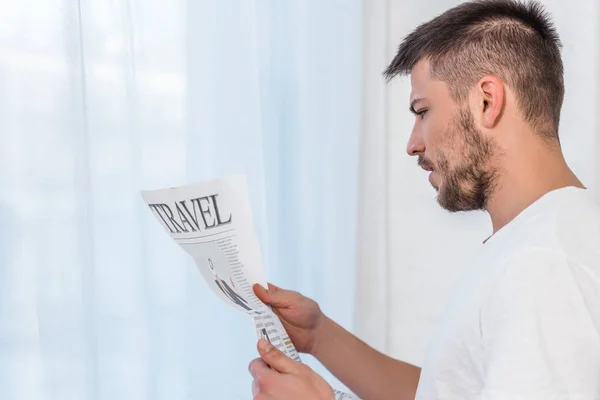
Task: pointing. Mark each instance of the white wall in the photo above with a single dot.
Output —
(412, 251)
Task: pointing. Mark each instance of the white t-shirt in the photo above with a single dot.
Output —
(524, 322)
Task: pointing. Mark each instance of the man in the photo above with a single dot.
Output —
(487, 90)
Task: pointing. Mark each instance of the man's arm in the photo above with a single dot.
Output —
(367, 372)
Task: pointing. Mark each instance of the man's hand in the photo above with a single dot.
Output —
(286, 379)
(301, 317)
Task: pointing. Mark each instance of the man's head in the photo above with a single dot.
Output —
(480, 72)
(212, 269)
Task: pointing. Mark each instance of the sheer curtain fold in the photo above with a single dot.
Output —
(100, 99)
(372, 308)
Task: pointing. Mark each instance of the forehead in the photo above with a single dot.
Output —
(423, 85)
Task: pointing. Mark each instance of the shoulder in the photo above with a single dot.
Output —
(539, 327)
(576, 227)
(539, 275)
(564, 227)
(528, 274)
(545, 290)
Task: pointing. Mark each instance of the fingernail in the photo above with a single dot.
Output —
(264, 346)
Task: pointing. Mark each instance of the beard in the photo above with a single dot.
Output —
(468, 185)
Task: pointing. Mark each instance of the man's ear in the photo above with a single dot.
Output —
(490, 94)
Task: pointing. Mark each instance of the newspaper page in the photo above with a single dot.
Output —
(212, 222)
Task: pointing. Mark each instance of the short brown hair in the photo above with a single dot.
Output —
(512, 40)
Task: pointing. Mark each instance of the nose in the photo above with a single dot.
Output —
(415, 145)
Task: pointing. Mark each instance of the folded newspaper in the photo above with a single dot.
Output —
(212, 222)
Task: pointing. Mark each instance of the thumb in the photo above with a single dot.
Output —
(275, 358)
(262, 293)
(275, 296)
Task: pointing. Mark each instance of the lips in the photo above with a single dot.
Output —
(425, 163)
(426, 166)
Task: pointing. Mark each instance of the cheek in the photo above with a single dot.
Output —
(433, 135)
(444, 164)
(447, 143)
(435, 131)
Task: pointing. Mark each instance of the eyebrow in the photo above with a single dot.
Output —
(412, 105)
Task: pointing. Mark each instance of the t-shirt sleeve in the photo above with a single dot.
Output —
(539, 339)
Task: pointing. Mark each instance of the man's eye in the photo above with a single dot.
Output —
(421, 113)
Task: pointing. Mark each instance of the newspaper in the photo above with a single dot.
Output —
(212, 222)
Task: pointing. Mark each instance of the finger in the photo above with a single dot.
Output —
(276, 359)
(255, 387)
(262, 396)
(259, 368)
(275, 296)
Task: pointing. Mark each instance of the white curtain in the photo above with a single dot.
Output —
(100, 99)
(410, 251)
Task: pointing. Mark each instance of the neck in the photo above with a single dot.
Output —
(526, 177)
